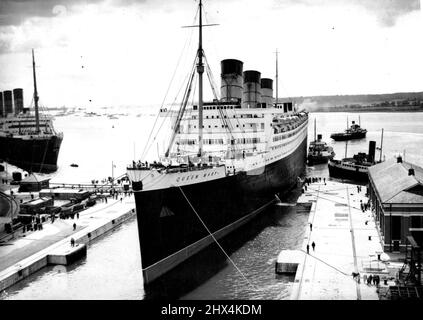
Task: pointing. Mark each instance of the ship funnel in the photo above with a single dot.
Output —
(8, 103)
(18, 100)
(372, 149)
(231, 80)
(1, 105)
(267, 92)
(252, 89)
(319, 137)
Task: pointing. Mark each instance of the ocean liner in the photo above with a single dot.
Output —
(225, 163)
(28, 140)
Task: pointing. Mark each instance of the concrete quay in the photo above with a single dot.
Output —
(26, 253)
(346, 242)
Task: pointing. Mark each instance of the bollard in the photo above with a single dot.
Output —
(370, 237)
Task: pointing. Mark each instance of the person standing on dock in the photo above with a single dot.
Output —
(308, 249)
(74, 226)
(72, 242)
(311, 226)
(313, 245)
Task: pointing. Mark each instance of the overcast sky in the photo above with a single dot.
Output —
(124, 52)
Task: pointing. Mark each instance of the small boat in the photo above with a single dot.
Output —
(74, 165)
(354, 132)
(355, 168)
(318, 150)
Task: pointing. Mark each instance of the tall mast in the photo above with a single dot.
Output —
(200, 70)
(346, 148)
(37, 117)
(277, 83)
(315, 129)
(381, 145)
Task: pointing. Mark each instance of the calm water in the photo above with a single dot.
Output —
(112, 268)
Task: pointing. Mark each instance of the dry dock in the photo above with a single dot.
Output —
(27, 253)
(346, 242)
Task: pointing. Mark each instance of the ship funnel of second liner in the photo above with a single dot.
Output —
(18, 100)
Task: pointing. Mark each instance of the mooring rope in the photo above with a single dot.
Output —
(329, 265)
(215, 240)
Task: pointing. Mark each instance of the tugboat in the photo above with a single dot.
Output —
(355, 168)
(318, 150)
(226, 161)
(354, 132)
(28, 140)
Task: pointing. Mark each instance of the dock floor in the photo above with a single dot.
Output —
(340, 231)
(25, 249)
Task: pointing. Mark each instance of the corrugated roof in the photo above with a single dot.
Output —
(406, 197)
(392, 181)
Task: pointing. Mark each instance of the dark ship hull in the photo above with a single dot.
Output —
(312, 160)
(340, 171)
(34, 155)
(346, 136)
(169, 229)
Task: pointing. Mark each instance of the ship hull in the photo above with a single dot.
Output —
(344, 137)
(177, 222)
(33, 155)
(312, 160)
(337, 171)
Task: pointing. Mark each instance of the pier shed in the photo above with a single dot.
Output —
(396, 196)
(33, 183)
(65, 194)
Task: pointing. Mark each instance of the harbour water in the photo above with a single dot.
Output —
(112, 268)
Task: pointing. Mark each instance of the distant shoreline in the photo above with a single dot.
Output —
(367, 110)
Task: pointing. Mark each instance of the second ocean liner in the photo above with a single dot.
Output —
(225, 162)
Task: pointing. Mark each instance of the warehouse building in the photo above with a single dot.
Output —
(396, 195)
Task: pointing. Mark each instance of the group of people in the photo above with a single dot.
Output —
(372, 279)
(309, 180)
(36, 224)
(313, 245)
(364, 206)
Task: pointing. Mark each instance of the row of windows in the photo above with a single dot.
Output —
(234, 116)
(213, 141)
(218, 141)
(223, 126)
(280, 146)
(284, 136)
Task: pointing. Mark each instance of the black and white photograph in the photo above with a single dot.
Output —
(237, 151)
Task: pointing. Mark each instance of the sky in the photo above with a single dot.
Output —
(94, 53)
